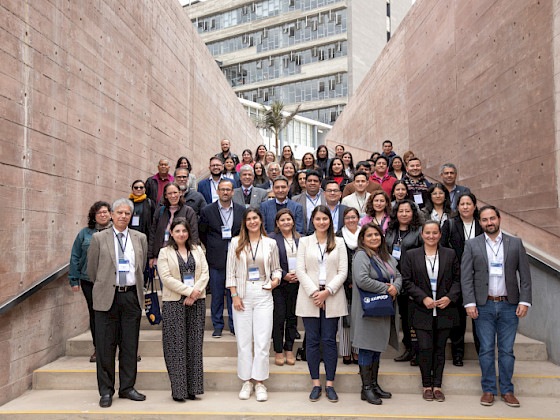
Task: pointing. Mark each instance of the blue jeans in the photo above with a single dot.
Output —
(496, 319)
(321, 330)
(368, 357)
(218, 288)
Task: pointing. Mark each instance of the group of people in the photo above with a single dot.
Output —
(344, 247)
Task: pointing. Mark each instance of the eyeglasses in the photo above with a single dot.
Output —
(332, 191)
(225, 189)
(350, 217)
(136, 187)
(217, 165)
(182, 176)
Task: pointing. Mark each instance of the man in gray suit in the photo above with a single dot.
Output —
(311, 198)
(116, 261)
(493, 298)
(247, 195)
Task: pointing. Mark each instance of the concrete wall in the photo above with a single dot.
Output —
(92, 93)
(471, 83)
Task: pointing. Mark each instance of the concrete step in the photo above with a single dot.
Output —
(532, 378)
(53, 404)
(150, 345)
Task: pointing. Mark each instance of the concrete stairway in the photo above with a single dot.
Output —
(67, 388)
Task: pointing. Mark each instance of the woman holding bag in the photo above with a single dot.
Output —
(183, 271)
(374, 271)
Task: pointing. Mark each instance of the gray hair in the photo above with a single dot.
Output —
(272, 163)
(181, 169)
(281, 178)
(123, 202)
(163, 160)
(447, 165)
(245, 168)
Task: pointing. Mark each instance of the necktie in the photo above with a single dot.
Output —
(247, 196)
(122, 275)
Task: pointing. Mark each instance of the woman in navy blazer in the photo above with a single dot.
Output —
(431, 276)
(284, 328)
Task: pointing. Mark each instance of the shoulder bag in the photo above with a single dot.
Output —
(376, 304)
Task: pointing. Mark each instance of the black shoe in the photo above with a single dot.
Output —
(370, 396)
(347, 361)
(298, 335)
(405, 357)
(458, 361)
(133, 395)
(93, 357)
(138, 358)
(106, 401)
(315, 393)
(192, 397)
(232, 332)
(375, 385)
(217, 333)
(414, 362)
(182, 400)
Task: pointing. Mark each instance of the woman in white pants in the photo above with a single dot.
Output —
(252, 271)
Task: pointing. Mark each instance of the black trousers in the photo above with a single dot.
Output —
(87, 289)
(457, 335)
(284, 320)
(431, 358)
(119, 326)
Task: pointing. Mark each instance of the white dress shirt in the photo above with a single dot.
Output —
(495, 254)
(128, 255)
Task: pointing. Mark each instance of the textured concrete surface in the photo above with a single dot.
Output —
(92, 94)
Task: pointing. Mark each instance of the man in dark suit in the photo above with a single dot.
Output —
(448, 174)
(311, 198)
(116, 261)
(270, 207)
(332, 196)
(209, 187)
(494, 299)
(219, 222)
(247, 195)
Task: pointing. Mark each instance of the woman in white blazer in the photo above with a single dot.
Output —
(183, 270)
(321, 267)
(252, 271)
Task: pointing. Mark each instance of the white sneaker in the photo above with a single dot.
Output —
(246, 390)
(260, 392)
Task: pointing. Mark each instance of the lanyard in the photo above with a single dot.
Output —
(468, 236)
(119, 241)
(321, 251)
(314, 202)
(432, 266)
(334, 213)
(400, 238)
(215, 184)
(492, 248)
(380, 223)
(254, 255)
(361, 205)
(224, 220)
(290, 243)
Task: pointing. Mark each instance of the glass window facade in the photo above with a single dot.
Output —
(324, 115)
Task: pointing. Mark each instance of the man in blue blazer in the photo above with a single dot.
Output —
(219, 222)
(209, 187)
(495, 298)
(271, 207)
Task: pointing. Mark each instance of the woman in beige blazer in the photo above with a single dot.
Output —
(183, 271)
(252, 271)
(321, 267)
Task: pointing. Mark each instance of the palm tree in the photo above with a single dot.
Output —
(276, 119)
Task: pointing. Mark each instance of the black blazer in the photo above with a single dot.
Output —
(210, 231)
(453, 235)
(417, 284)
(145, 210)
(160, 222)
(279, 238)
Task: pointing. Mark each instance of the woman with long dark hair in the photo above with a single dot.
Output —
(336, 172)
(284, 329)
(260, 174)
(183, 271)
(378, 210)
(246, 159)
(323, 159)
(99, 218)
(298, 187)
(396, 168)
(288, 156)
(348, 165)
(184, 162)
(260, 153)
(373, 270)
(289, 171)
(252, 271)
(308, 163)
(438, 205)
(321, 268)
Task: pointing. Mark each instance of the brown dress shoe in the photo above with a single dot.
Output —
(439, 396)
(510, 400)
(428, 395)
(487, 399)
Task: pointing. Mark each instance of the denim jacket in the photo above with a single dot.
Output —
(78, 258)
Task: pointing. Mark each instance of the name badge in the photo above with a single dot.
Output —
(396, 253)
(247, 206)
(418, 199)
(226, 232)
(166, 237)
(124, 266)
(135, 220)
(254, 274)
(322, 274)
(292, 263)
(188, 280)
(496, 269)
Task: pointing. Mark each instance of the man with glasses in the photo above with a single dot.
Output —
(281, 201)
(332, 198)
(156, 183)
(209, 187)
(310, 199)
(193, 199)
(219, 222)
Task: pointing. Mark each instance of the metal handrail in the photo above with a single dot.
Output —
(34, 288)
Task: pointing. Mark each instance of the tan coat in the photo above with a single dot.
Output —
(236, 268)
(170, 274)
(102, 266)
(307, 271)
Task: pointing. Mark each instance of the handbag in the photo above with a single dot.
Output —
(376, 304)
(151, 300)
